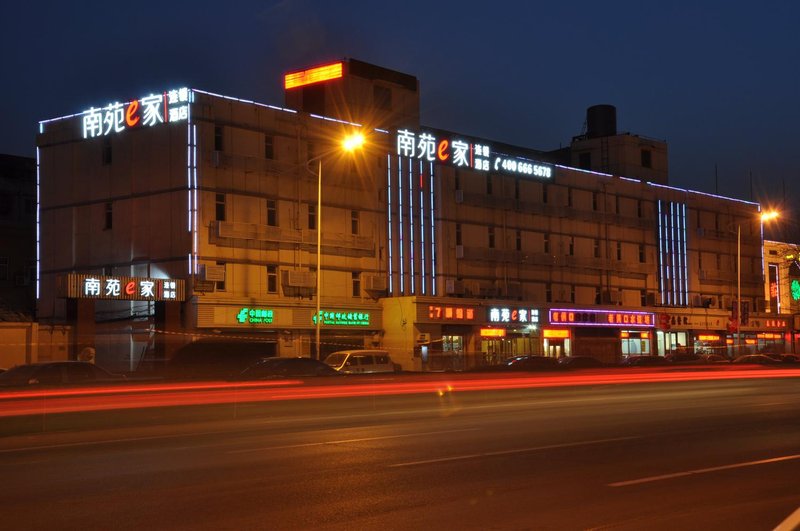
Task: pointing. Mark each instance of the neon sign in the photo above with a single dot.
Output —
(601, 318)
(82, 286)
(170, 106)
(493, 332)
(451, 313)
(514, 315)
(795, 290)
(312, 75)
(255, 316)
(342, 318)
(463, 153)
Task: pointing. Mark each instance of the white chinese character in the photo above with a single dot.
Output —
(523, 316)
(114, 118)
(92, 123)
(534, 316)
(152, 110)
(184, 112)
(173, 97)
(478, 150)
(426, 146)
(460, 153)
(405, 143)
(112, 287)
(494, 315)
(146, 288)
(91, 286)
(505, 315)
(478, 165)
(174, 114)
(183, 94)
(171, 284)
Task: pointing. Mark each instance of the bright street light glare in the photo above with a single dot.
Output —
(354, 141)
(769, 215)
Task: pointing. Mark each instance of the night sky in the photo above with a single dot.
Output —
(718, 81)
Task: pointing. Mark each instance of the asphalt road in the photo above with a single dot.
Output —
(676, 455)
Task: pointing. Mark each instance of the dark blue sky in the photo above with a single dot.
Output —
(717, 80)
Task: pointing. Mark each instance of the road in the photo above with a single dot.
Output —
(670, 455)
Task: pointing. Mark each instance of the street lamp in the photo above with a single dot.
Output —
(349, 144)
(765, 217)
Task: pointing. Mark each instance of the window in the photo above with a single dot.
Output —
(458, 233)
(641, 253)
(619, 250)
(355, 278)
(585, 161)
(488, 184)
(643, 297)
(3, 268)
(546, 246)
(109, 217)
(221, 283)
(269, 147)
(595, 203)
(220, 207)
(272, 213)
(572, 293)
(218, 137)
(272, 279)
(491, 237)
(458, 181)
(616, 204)
(355, 222)
(639, 208)
(572, 246)
(519, 240)
(312, 217)
(647, 158)
(382, 97)
(597, 295)
(597, 248)
(106, 151)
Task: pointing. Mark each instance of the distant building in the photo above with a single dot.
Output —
(447, 249)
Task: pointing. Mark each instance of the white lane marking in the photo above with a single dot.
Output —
(514, 451)
(792, 523)
(347, 441)
(703, 471)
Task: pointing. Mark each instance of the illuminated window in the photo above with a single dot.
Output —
(647, 158)
(109, 216)
(312, 217)
(218, 136)
(491, 237)
(220, 207)
(272, 279)
(221, 283)
(272, 213)
(355, 221)
(458, 234)
(355, 278)
(269, 147)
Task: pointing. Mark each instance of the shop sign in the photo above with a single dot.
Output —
(555, 333)
(513, 315)
(451, 313)
(255, 316)
(708, 337)
(695, 322)
(82, 286)
(461, 152)
(342, 318)
(575, 317)
(169, 106)
(493, 332)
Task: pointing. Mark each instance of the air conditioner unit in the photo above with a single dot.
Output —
(459, 251)
(375, 283)
(459, 196)
(453, 286)
(301, 279)
(215, 273)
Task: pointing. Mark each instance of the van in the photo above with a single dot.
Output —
(361, 361)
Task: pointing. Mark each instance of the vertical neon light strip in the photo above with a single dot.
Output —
(389, 216)
(672, 250)
(661, 253)
(412, 266)
(194, 197)
(678, 257)
(189, 204)
(422, 228)
(685, 259)
(38, 218)
(433, 237)
(400, 221)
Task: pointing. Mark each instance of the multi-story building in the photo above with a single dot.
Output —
(445, 248)
(18, 236)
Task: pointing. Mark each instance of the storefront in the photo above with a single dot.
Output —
(762, 336)
(684, 332)
(510, 331)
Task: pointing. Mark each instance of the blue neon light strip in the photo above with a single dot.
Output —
(38, 220)
(672, 262)
(412, 268)
(389, 216)
(422, 229)
(433, 237)
(661, 254)
(685, 259)
(400, 222)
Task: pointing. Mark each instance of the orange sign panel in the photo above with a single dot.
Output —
(493, 332)
(551, 333)
(312, 75)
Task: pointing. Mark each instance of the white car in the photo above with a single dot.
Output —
(361, 361)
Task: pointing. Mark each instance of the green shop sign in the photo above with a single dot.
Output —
(343, 318)
(796, 290)
(255, 316)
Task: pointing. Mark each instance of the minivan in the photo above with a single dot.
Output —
(361, 361)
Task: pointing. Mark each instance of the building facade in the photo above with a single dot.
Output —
(449, 250)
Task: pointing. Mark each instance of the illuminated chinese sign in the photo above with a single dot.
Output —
(170, 106)
(553, 333)
(601, 318)
(451, 313)
(513, 315)
(312, 75)
(708, 337)
(81, 286)
(493, 332)
(342, 318)
(795, 290)
(775, 323)
(464, 153)
(255, 316)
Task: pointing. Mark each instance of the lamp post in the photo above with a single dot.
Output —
(350, 144)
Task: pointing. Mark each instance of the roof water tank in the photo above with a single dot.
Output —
(601, 120)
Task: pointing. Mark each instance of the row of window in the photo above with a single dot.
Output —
(272, 280)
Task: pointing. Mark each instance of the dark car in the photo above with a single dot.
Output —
(276, 367)
(532, 363)
(57, 373)
(644, 361)
(213, 359)
(757, 359)
(787, 358)
(685, 358)
(715, 358)
(580, 362)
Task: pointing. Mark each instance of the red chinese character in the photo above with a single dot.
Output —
(470, 313)
(459, 313)
(448, 312)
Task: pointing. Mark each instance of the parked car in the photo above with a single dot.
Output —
(361, 361)
(580, 362)
(787, 358)
(643, 361)
(57, 373)
(532, 363)
(759, 359)
(715, 358)
(214, 359)
(276, 367)
(684, 358)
